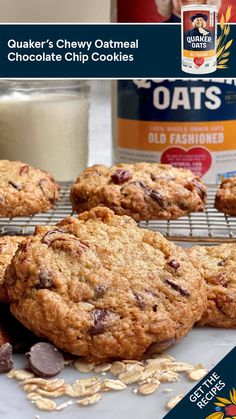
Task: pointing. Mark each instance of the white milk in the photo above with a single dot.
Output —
(49, 131)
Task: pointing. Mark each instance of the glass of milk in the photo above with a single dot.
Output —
(45, 123)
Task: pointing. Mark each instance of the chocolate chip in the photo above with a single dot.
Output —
(79, 200)
(139, 299)
(6, 361)
(100, 317)
(16, 185)
(174, 264)
(100, 290)
(221, 263)
(45, 360)
(150, 292)
(200, 189)
(24, 170)
(45, 280)
(42, 183)
(177, 287)
(157, 196)
(121, 176)
(158, 347)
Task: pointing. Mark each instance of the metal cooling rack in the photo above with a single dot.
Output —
(208, 226)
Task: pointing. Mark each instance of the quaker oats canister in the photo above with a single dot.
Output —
(198, 40)
(186, 123)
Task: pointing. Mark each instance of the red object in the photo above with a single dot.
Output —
(230, 410)
(199, 61)
(146, 11)
(197, 159)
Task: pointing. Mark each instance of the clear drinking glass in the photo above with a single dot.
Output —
(45, 123)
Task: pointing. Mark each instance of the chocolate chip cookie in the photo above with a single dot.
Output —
(225, 200)
(218, 267)
(25, 190)
(101, 287)
(144, 191)
(8, 247)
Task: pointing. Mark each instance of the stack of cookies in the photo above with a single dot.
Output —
(100, 287)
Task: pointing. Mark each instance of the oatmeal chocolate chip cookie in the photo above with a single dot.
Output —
(8, 247)
(25, 190)
(101, 287)
(225, 199)
(144, 191)
(218, 267)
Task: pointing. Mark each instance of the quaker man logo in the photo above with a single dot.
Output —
(225, 408)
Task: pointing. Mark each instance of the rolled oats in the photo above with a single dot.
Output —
(117, 368)
(113, 385)
(45, 404)
(90, 400)
(102, 367)
(149, 388)
(83, 366)
(174, 401)
(197, 374)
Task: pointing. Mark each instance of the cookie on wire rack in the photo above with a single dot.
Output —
(225, 199)
(8, 247)
(25, 190)
(144, 191)
(101, 287)
(218, 267)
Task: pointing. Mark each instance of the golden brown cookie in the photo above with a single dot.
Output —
(25, 190)
(225, 200)
(101, 287)
(8, 247)
(144, 191)
(218, 267)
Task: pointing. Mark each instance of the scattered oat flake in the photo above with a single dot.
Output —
(33, 396)
(174, 401)
(83, 366)
(113, 385)
(90, 400)
(87, 382)
(64, 405)
(117, 368)
(55, 393)
(148, 388)
(45, 404)
(130, 377)
(197, 374)
(48, 385)
(169, 377)
(89, 391)
(167, 390)
(135, 390)
(102, 367)
(22, 375)
(11, 374)
(28, 388)
(132, 361)
(181, 367)
(73, 392)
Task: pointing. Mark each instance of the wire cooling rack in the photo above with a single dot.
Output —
(207, 226)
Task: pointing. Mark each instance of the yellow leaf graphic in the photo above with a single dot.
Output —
(222, 22)
(220, 404)
(222, 66)
(220, 52)
(226, 54)
(228, 13)
(228, 44)
(218, 41)
(227, 30)
(216, 415)
(223, 400)
(223, 61)
(231, 396)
